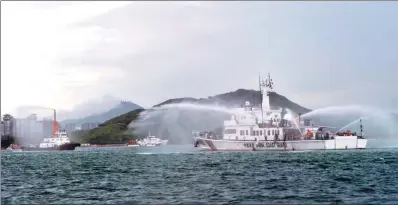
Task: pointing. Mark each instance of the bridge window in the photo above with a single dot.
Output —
(230, 131)
(269, 132)
(273, 132)
(247, 132)
(261, 133)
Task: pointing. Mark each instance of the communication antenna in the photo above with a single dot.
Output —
(269, 83)
(261, 104)
(360, 125)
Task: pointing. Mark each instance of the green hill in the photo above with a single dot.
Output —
(173, 124)
(112, 131)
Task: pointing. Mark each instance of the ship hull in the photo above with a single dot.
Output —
(162, 143)
(152, 145)
(339, 143)
(68, 146)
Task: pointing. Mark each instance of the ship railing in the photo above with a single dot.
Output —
(346, 134)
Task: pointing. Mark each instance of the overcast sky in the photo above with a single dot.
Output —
(59, 54)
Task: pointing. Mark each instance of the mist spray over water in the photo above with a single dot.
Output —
(347, 110)
(352, 123)
(31, 129)
(177, 121)
(380, 124)
(192, 106)
(289, 116)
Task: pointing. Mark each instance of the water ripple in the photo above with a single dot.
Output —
(121, 176)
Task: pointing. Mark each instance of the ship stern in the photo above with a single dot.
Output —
(69, 146)
(362, 143)
(201, 144)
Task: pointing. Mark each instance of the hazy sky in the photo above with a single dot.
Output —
(59, 54)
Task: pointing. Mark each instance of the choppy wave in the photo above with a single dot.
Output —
(128, 176)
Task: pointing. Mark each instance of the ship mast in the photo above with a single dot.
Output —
(266, 88)
(360, 125)
(261, 104)
(269, 84)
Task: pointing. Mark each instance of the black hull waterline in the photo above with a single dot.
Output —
(69, 146)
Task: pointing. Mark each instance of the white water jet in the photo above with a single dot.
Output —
(344, 110)
(177, 120)
(196, 107)
(290, 114)
(386, 124)
(351, 123)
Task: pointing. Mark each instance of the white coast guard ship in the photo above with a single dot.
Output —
(262, 128)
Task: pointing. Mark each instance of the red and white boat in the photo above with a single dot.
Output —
(14, 147)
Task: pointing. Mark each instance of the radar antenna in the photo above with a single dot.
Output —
(269, 83)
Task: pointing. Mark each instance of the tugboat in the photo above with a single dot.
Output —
(59, 141)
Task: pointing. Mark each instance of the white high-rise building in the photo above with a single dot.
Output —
(29, 127)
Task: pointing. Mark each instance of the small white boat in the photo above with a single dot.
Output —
(133, 145)
(151, 141)
(13, 148)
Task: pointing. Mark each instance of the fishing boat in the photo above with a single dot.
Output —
(260, 128)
